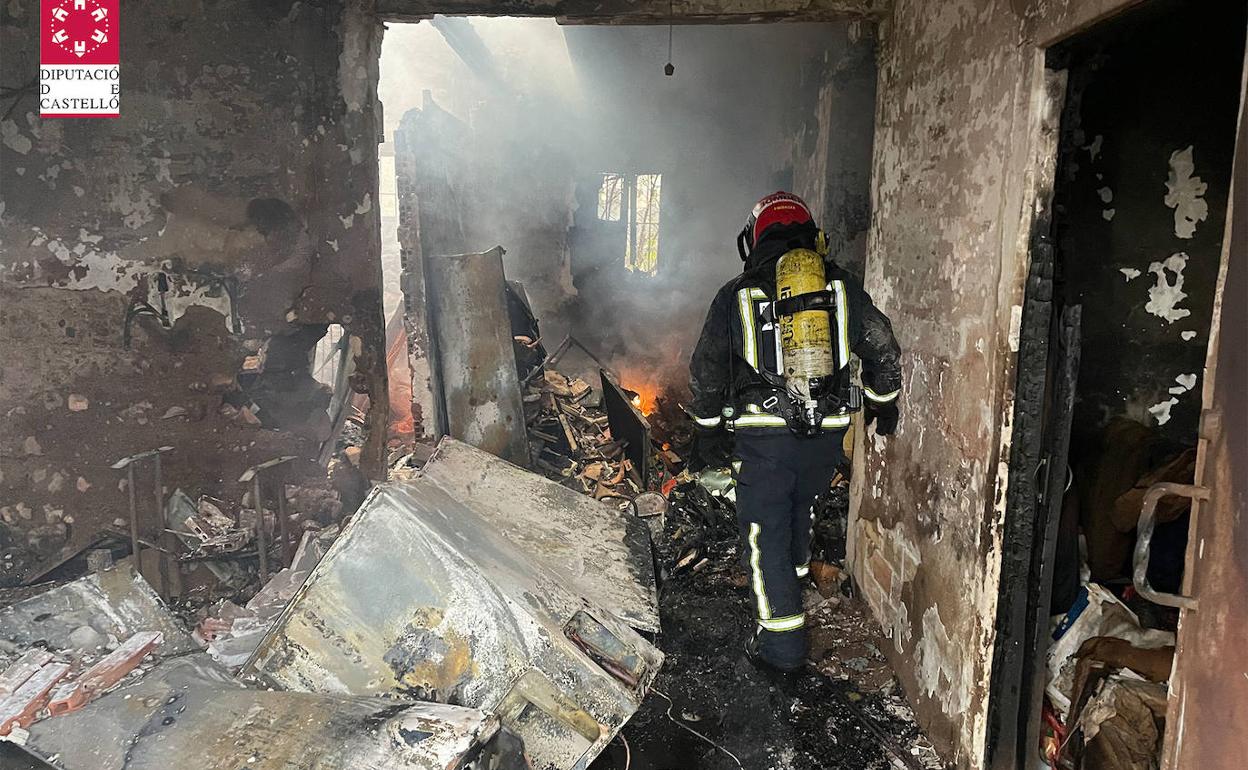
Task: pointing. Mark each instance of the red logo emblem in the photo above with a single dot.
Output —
(79, 58)
(80, 32)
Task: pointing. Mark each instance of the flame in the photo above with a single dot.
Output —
(646, 396)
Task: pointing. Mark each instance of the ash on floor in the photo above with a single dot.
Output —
(845, 711)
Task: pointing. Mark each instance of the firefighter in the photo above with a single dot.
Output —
(771, 374)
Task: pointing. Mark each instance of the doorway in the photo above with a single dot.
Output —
(1122, 301)
(616, 189)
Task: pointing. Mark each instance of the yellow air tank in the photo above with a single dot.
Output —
(805, 336)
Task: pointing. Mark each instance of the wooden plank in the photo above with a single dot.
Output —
(104, 674)
(26, 666)
(20, 708)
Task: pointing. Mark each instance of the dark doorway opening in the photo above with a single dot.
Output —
(1115, 335)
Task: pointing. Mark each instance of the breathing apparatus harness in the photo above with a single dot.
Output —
(812, 385)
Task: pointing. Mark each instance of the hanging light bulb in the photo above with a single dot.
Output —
(669, 69)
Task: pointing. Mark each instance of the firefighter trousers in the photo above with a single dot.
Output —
(780, 476)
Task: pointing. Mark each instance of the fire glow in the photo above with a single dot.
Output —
(644, 396)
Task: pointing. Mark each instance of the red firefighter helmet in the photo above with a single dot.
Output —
(779, 208)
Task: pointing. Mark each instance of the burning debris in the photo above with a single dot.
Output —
(572, 440)
(600, 442)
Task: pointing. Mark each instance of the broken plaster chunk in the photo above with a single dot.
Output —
(1108, 214)
(1188, 336)
(1186, 381)
(247, 416)
(86, 639)
(1130, 272)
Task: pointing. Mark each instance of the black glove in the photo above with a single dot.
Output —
(884, 416)
(712, 448)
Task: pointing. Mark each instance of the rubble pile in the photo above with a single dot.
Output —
(99, 674)
(570, 439)
(577, 440)
(231, 633)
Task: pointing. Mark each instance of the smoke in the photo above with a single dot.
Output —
(522, 118)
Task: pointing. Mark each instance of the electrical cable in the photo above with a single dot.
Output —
(671, 705)
(628, 754)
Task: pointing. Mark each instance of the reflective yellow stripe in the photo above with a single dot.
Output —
(708, 422)
(803, 570)
(787, 623)
(763, 420)
(759, 421)
(842, 323)
(749, 337)
(756, 572)
(882, 399)
(745, 309)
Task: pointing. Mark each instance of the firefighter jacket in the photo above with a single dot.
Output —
(739, 338)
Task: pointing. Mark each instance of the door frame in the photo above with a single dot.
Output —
(1009, 696)
(1221, 457)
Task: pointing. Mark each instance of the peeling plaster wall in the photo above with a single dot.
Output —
(245, 153)
(958, 94)
(1140, 206)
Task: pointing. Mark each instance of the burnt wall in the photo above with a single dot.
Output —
(243, 169)
(831, 153)
(1140, 205)
(958, 125)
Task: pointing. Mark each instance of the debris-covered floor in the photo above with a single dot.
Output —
(711, 708)
(846, 711)
(75, 648)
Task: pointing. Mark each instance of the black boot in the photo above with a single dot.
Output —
(755, 656)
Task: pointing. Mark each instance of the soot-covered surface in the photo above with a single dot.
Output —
(845, 711)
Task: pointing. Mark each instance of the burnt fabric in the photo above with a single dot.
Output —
(781, 474)
(738, 339)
